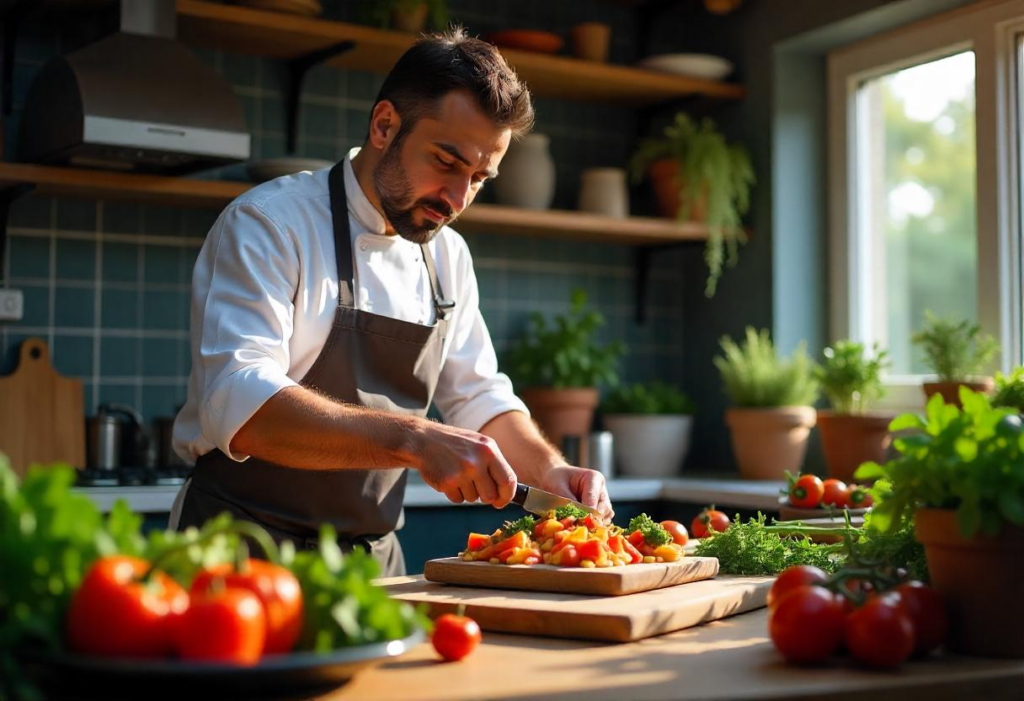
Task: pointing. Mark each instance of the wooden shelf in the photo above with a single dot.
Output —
(479, 218)
(283, 36)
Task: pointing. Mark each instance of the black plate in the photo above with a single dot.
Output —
(76, 676)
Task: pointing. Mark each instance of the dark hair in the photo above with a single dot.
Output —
(440, 63)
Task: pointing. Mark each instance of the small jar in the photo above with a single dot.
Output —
(604, 191)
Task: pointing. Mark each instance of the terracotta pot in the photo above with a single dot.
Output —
(410, 20)
(979, 578)
(563, 412)
(767, 442)
(852, 439)
(950, 391)
(664, 175)
(590, 41)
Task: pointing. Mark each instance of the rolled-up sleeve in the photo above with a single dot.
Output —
(471, 391)
(242, 318)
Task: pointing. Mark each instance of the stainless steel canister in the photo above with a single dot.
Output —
(600, 454)
(104, 441)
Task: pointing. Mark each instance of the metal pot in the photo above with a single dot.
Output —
(115, 438)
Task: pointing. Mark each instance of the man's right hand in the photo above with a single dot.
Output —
(464, 465)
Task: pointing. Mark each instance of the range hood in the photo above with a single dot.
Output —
(135, 100)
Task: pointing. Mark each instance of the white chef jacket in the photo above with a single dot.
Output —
(264, 295)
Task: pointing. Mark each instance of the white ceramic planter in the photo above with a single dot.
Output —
(527, 177)
(650, 445)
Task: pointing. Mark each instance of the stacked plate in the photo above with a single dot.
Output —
(692, 65)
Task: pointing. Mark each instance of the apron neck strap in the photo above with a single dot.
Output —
(343, 249)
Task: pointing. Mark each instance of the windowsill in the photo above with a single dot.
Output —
(721, 491)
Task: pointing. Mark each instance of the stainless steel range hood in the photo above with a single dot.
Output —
(135, 100)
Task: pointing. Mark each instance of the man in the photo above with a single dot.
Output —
(330, 308)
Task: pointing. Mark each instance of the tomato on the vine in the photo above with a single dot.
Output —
(857, 497)
(677, 531)
(115, 613)
(880, 633)
(834, 493)
(806, 491)
(707, 521)
(806, 625)
(792, 578)
(277, 589)
(455, 636)
(224, 624)
(927, 611)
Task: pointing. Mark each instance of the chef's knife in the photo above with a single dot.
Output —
(537, 501)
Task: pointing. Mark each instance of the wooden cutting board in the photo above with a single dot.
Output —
(42, 415)
(615, 618)
(604, 581)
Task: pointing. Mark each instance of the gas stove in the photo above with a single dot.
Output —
(133, 477)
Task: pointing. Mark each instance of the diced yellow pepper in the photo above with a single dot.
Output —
(551, 526)
(579, 535)
(547, 545)
(668, 553)
(587, 564)
(649, 559)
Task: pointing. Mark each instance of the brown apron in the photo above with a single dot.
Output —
(369, 360)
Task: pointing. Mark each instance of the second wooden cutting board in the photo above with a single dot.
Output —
(610, 618)
(606, 581)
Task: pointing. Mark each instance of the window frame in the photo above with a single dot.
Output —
(992, 30)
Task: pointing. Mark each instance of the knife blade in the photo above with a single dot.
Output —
(537, 501)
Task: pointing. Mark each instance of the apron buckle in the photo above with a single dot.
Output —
(445, 308)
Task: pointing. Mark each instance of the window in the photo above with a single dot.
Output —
(923, 167)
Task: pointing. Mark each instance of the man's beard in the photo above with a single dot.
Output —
(395, 194)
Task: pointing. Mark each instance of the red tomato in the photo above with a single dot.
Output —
(634, 554)
(228, 625)
(806, 624)
(278, 591)
(568, 522)
(113, 613)
(589, 521)
(538, 531)
(834, 493)
(708, 520)
(589, 550)
(677, 531)
(806, 492)
(636, 538)
(858, 498)
(455, 636)
(792, 578)
(478, 541)
(927, 611)
(880, 633)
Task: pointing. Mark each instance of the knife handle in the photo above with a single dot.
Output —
(520, 496)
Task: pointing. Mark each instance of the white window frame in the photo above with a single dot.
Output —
(991, 29)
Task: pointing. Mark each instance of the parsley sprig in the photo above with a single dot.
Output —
(654, 533)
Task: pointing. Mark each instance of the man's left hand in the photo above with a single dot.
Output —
(581, 484)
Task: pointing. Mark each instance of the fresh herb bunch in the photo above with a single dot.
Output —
(849, 378)
(970, 460)
(341, 605)
(755, 376)
(570, 510)
(564, 353)
(711, 168)
(526, 523)
(1010, 390)
(955, 349)
(754, 548)
(654, 533)
(893, 550)
(652, 398)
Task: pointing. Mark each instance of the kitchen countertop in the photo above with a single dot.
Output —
(732, 493)
(728, 659)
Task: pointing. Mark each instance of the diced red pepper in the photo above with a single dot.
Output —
(568, 521)
(590, 550)
(615, 543)
(589, 521)
(477, 541)
(636, 538)
(633, 553)
(538, 530)
(519, 540)
(569, 557)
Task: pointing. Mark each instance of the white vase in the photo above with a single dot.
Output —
(527, 174)
(650, 445)
(604, 191)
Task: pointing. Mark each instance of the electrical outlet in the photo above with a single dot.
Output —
(12, 305)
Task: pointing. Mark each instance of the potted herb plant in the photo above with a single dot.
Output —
(1010, 390)
(956, 351)
(651, 424)
(850, 434)
(560, 365)
(409, 15)
(697, 175)
(961, 474)
(772, 415)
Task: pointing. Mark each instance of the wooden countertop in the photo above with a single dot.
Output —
(729, 659)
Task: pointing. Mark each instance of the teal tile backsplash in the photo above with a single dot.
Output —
(107, 283)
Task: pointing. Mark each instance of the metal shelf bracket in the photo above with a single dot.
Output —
(297, 69)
